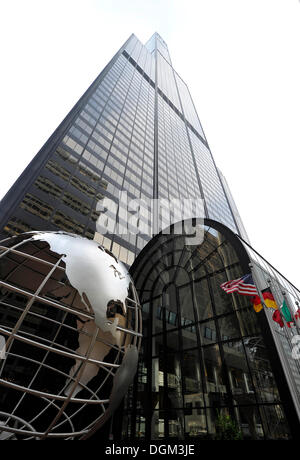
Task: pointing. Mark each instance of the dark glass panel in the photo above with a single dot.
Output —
(67, 223)
(262, 375)
(48, 187)
(213, 263)
(222, 300)
(229, 327)
(192, 383)
(173, 342)
(158, 424)
(157, 345)
(228, 254)
(58, 170)
(140, 428)
(170, 306)
(189, 337)
(195, 422)
(15, 226)
(234, 272)
(202, 252)
(215, 392)
(239, 373)
(184, 256)
(208, 332)
(213, 415)
(202, 301)
(274, 422)
(185, 295)
(173, 378)
(157, 318)
(248, 321)
(181, 276)
(36, 206)
(249, 422)
(176, 423)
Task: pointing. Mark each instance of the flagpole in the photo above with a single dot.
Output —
(256, 284)
(291, 313)
(269, 281)
(298, 310)
(277, 342)
(288, 307)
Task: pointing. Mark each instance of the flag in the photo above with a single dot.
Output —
(297, 317)
(257, 303)
(243, 285)
(269, 300)
(277, 318)
(286, 314)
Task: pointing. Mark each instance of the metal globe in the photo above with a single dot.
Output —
(70, 332)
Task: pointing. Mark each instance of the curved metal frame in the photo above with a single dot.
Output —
(148, 271)
(50, 346)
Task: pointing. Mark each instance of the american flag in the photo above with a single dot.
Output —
(243, 285)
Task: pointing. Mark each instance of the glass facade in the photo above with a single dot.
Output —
(204, 352)
(135, 129)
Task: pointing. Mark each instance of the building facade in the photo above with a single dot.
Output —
(135, 130)
(205, 353)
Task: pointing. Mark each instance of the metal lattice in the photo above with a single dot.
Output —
(43, 319)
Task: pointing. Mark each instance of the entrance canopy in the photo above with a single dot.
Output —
(205, 352)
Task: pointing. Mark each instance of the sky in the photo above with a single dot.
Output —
(239, 58)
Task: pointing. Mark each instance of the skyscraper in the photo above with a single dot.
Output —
(136, 130)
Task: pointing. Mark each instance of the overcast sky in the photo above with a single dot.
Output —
(240, 59)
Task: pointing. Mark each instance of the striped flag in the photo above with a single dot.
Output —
(243, 285)
(269, 301)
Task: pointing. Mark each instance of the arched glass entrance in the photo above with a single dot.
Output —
(203, 352)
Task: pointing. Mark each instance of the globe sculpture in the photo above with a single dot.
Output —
(70, 332)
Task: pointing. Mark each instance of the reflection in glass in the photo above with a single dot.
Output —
(222, 301)
(186, 302)
(215, 392)
(203, 300)
(263, 378)
(170, 306)
(173, 378)
(208, 355)
(229, 327)
(239, 374)
(195, 421)
(189, 338)
(275, 423)
(208, 332)
(228, 254)
(248, 322)
(250, 422)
